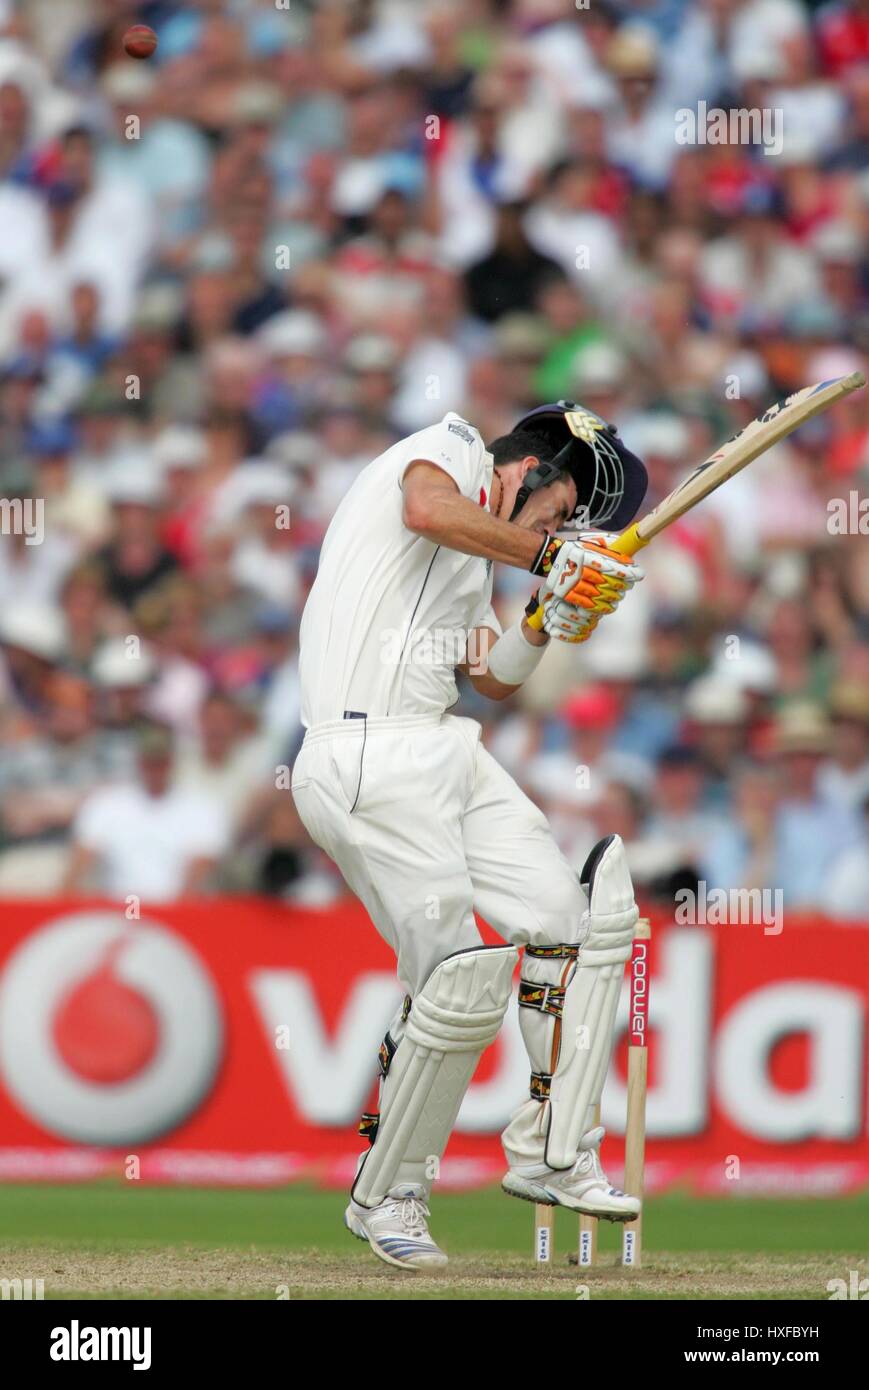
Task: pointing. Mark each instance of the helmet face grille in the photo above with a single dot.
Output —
(608, 480)
(599, 501)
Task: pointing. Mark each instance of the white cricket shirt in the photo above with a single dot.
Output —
(145, 843)
(388, 617)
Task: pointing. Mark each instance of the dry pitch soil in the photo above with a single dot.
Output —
(189, 1273)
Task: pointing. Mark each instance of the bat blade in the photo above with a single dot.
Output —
(771, 427)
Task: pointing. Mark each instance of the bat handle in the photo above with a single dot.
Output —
(629, 542)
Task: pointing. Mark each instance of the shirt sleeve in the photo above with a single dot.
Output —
(453, 446)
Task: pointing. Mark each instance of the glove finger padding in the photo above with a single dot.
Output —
(596, 592)
(567, 623)
(588, 567)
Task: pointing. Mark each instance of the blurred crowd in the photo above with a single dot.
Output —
(232, 274)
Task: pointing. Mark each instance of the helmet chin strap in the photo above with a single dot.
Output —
(540, 476)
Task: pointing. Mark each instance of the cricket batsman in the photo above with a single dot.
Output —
(426, 827)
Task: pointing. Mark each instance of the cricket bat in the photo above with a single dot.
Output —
(775, 424)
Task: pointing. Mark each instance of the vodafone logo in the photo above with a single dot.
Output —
(110, 1033)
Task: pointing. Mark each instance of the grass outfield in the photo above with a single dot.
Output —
(101, 1240)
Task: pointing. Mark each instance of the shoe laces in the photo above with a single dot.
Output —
(588, 1158)
(587, 1162)
(412, 1213)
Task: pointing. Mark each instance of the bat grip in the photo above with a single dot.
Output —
(629, 542)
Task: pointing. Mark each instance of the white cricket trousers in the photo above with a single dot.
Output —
(425, 827)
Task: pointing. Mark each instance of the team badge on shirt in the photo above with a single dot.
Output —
(461, 430)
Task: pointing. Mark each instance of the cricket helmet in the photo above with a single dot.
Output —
(610, 481)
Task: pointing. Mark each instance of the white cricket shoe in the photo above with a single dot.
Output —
(584, 1187)
(396, 1230)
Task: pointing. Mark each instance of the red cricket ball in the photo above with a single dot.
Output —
(140, 41)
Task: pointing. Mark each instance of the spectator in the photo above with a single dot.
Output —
(849, 879)
(334, 224)
(224, 760)
(844, 778)
(679, 827)
(147, 838)
(44, 778)
(809, 832)
(134, 560)
(509, 278)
